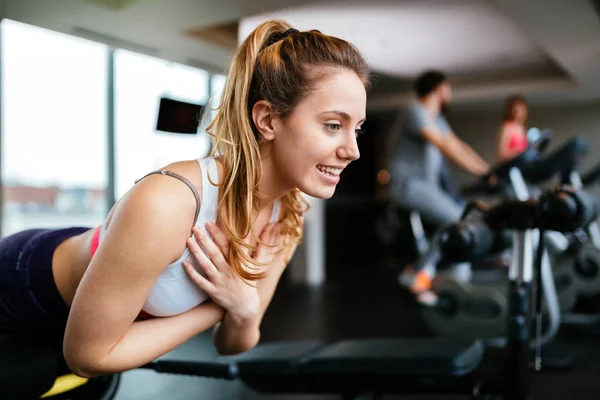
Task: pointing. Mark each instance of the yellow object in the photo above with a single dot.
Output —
(64, 384)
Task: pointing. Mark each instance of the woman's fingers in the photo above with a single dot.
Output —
(205, 263)
(269, 238)
(203, 283)
(273, 235)
(262, 240)
(219, 238)
(212, 250)
(276, 234)
(267, 233)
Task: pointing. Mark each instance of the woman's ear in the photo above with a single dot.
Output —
(262, 116)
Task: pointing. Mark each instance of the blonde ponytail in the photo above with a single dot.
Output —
(271, 66)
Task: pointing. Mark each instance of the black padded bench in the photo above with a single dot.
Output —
(348, 367)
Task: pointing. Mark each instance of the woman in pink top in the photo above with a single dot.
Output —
(513, 141)
(512, 136)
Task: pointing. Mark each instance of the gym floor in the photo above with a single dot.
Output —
(356, 303)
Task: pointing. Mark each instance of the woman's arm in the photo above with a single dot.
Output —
(148, 231)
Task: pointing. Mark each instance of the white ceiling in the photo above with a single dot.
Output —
(548, 49)
(402, 38)
(567, 31)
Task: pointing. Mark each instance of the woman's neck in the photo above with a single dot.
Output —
(270, 186)
(264, 202)
(518, 125)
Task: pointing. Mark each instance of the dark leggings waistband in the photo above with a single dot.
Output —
(41, 279)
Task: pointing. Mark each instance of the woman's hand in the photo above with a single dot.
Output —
(219, 281)
(271, 244)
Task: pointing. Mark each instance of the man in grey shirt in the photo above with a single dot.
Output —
(418, 153)
(417, 163)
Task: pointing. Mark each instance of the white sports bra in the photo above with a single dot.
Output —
(174, 292)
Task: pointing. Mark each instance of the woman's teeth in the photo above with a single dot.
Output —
(329, 170)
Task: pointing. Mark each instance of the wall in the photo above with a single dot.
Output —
(478, 128)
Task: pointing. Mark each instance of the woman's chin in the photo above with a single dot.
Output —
(319, 192)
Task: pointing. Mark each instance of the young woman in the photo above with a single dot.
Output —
(512, 135)
(513, 141)
(141, 284)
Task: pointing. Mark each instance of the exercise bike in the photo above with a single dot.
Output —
(576, 256)
(481, 295)
(591, 177)
(478, 306)
(474, 304)
(354, 368)
(397, 225)
(583, 274)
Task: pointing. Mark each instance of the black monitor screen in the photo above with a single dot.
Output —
(178, 116)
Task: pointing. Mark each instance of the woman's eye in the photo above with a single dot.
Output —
(334, 127)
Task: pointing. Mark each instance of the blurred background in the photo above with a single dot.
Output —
(82, 83)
